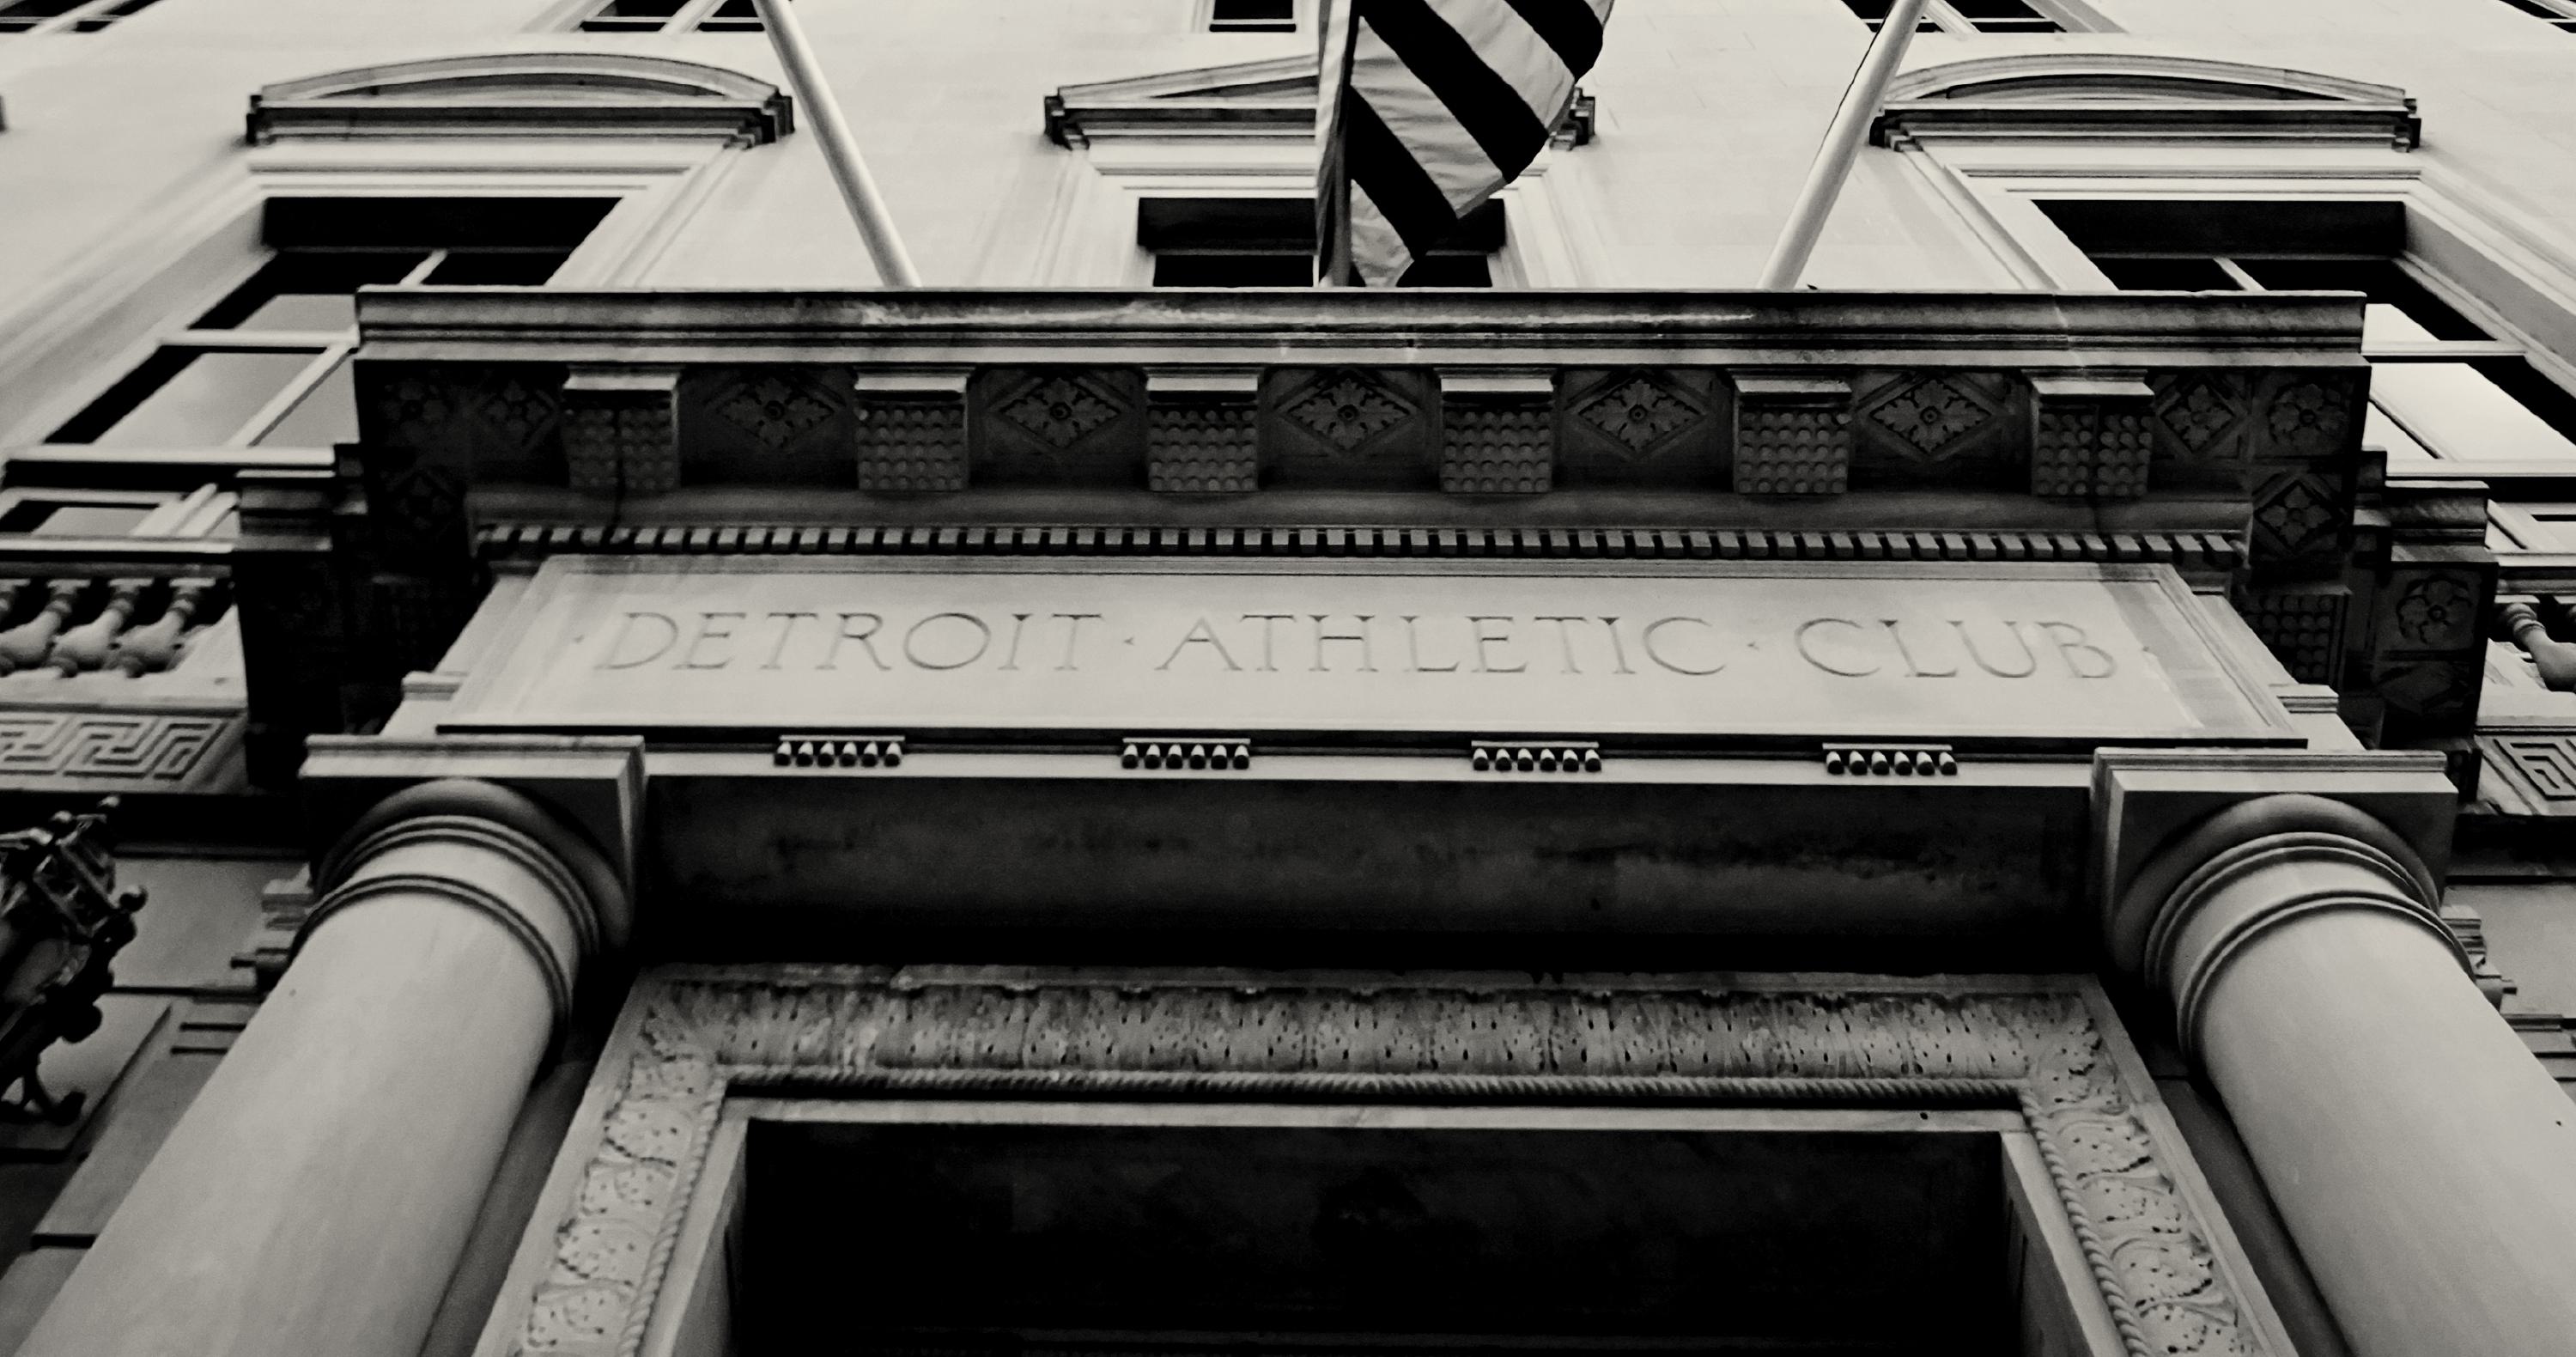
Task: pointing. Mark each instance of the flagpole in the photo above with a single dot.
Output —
(1842, 144)
(840, 149)
(1332, 185)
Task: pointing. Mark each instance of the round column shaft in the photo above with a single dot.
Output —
(315, 1197)
(2422, 1158)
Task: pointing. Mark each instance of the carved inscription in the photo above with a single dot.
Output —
(1509, 652)
(1610, 646)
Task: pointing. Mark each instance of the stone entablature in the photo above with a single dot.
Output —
(596, 1260)
(2102, 399)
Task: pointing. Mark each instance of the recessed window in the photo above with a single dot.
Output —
(671, 16)
(2559, 14)
(1984, 16)
(267, 362)
(1252, 16)
(1270, 242)
(66, 16)
(2441, 385)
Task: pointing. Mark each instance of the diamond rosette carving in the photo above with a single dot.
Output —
(2296, 514)
(2197, 414)
(517, 411)
(2438, 612)
(1346, 410)
(773, 410)
(2306, 418)
(1930, 415)
(1637, 412)
(1060, 411)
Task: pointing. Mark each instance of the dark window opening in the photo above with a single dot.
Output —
(1252, 16)
(2563, 20)
(2004, 16)
(1874, 14)
(2442, 385)
(631, 16)
(1270, 242)
(267, 363)
(733, 16)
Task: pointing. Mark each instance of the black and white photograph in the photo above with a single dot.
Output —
(1287, 678)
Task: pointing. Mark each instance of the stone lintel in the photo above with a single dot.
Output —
(594, 781)
(2143, 798)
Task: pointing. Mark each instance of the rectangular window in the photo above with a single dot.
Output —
(2441, 386)
(1270, 242)
(671, 16)
(1987, 16)
(1252, 16)
(2558, 14)
(266, 364)
(65, 16)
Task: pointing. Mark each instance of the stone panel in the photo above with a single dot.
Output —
(1958, 430)
(1359, 428)
(1056, 426)
(776, 424)
(1649, 426)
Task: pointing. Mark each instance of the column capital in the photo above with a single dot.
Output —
(2253, 867)
(492, 850)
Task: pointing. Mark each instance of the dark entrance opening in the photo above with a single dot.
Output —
(1283, 1241)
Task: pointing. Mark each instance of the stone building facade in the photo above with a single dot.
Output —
(2008, 800)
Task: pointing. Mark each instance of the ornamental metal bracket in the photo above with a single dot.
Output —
(1223, 753)
(1534, 756)
(1891, 760)
(838, 751)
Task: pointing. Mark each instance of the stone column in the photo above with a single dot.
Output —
(314, 1199)
(2421, 1156)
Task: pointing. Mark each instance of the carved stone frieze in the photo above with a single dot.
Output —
(1055, 426)
(1651, 426)
(1374, 428)
(1931, 414)
(1496, 433)
(691, 1037)
(136, 750)
(2303, 627)
(1202, 432)
(621, 431)
(912, 432)
(1792, 435)
(2091, 436)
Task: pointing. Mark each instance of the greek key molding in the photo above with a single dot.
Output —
(136, 750)
(690, 1037)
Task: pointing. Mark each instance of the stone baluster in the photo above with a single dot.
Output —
(153, 647)
(317, 1195)
(2424, 1161)
(85, 647)
(2520, 623)
(26, 645)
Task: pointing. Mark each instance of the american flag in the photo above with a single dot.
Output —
(1429, 107)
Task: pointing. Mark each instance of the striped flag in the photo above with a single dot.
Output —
(1429, 107)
